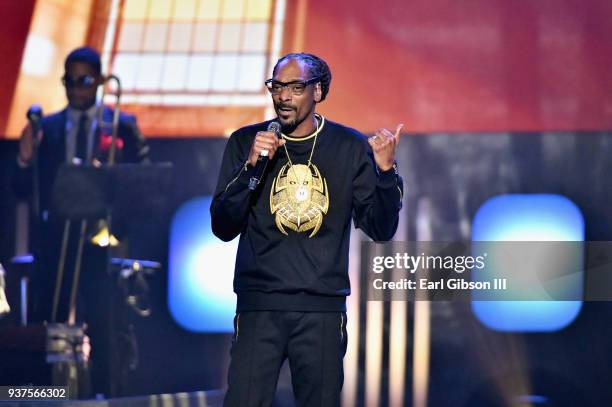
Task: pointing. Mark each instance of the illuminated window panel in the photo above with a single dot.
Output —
(150, 72)
(254, 37)
(233, 10)
(199, 77)
(185, 10)
(229, 37)
(200, 271)
(160, 10)
(205, 38)
(258, 10)
(174, 70)
(126, 68)
(250, 69)
(180, 37)
(194, 50)
(224, 73)
(130, 39)
(537, 217)
(155, 37)
(133, 9)
(209, 10)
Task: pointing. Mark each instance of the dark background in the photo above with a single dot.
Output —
(452, 175)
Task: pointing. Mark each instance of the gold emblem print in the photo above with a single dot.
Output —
(299, 198)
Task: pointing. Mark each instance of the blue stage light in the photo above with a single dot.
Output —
(537, 217)
(201, 271)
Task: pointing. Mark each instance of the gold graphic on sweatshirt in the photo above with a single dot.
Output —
(299, 198)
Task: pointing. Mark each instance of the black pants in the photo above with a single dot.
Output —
(314, 343)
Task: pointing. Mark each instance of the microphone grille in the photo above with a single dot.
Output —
(275, 127)
(34, 113)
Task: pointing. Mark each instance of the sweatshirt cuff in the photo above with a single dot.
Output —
(388, 178)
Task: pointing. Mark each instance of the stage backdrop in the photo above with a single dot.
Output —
(447, 178)
(196, 67)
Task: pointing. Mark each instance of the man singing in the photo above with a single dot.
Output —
(291, 274)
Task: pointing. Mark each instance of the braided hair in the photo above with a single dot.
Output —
(317, 67)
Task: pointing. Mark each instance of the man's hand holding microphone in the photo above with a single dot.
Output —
(263, 149)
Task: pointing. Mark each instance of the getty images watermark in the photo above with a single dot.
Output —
(487, 271)
(411, 263)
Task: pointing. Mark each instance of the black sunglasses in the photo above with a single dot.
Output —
(83, 81)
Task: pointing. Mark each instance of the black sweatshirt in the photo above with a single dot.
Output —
(277, 267)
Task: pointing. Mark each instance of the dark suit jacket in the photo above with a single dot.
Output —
(52, 151)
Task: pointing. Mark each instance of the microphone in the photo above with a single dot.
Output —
(34, 116)
(262, 160)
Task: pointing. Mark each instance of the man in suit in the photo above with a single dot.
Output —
(74, 134)
(79, 134)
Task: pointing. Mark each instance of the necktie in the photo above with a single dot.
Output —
(81, 139)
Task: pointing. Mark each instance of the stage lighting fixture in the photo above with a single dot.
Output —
(529, 218)
(201, 270)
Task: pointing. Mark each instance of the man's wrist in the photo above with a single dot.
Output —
(390, 170)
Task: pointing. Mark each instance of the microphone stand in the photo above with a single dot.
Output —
(83, 229)
(34, 116)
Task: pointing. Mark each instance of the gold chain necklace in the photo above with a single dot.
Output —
(299, 198)
(314, 143)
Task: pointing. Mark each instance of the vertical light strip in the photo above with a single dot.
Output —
(420, 369)
(398, 329)
(422, 310)
(107, 47)
(351, 359)
(191, 52)
(171, 22)
(277, 35)
(374, 342)
(215, 52)
(275, 52)
(300, 26)
(374, 333)
(243, 21)
(277, 42)
(397, 357)
(109, 37)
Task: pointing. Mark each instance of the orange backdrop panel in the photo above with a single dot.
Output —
(472, 65)
(436, 65)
